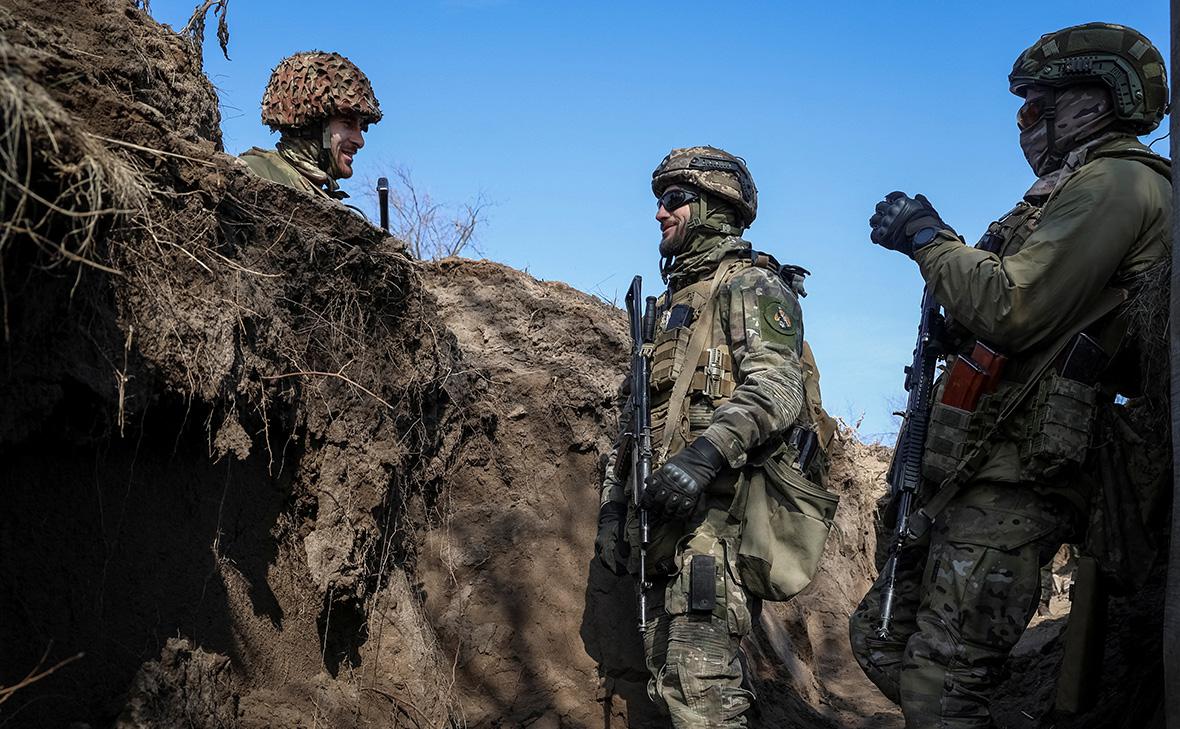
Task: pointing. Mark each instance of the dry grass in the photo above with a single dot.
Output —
(59, 188)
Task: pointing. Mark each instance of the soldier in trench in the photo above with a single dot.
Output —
(321, 104)
(734, 396)
(1009, 481)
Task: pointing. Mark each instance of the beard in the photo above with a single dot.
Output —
(674, 243)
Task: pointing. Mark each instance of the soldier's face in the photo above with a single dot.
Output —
(346, 136)
(673, 223)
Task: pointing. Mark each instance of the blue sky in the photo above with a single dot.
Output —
(557, 112)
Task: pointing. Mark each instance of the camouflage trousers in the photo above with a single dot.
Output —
(964, 595)
(692, 651)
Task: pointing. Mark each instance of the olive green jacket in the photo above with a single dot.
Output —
(1105, 221)
(268, 164)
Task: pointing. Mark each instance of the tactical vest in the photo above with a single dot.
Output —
(1053, 431)
(680, 314)
(1009, 234)
(775, 517)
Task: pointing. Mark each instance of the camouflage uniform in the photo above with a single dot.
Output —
(305, 90)
(1099, 217)
(753, 393)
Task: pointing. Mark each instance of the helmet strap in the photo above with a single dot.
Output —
(1056, 156)
(327, 160)
(700, 214)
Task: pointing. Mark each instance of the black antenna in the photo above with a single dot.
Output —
(383, 201)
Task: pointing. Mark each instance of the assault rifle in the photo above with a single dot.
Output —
(905, 471)
(635, 449)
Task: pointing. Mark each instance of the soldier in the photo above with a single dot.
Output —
(727, 397)
(1005, 482)
(322, 105)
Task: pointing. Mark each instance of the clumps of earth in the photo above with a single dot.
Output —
(259, 468)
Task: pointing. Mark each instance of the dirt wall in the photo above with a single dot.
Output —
(225, 410)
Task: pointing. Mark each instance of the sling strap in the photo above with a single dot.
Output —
(696, 347)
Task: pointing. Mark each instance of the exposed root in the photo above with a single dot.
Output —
(35, 675)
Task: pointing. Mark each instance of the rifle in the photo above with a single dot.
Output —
(637, 438)
(905, 471)
(383, 201)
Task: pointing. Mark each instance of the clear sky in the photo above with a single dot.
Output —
(557, 112)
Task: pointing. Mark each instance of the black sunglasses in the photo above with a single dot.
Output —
(676, 198)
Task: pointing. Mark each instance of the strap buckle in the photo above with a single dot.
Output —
(713, 373)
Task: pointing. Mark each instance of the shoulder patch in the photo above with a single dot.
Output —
(778, 316)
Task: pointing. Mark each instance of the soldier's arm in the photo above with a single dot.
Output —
(1032, 296)
(764, 326)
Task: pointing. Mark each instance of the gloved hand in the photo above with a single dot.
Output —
(673, 491)
(899, 217)
(611, 545)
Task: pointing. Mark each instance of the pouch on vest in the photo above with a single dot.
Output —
(1060, 427)
(668, 357)
(786, 521)
(946, 437)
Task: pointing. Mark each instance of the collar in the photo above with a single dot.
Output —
(702, 256)
(1074, 160)
(304, 154)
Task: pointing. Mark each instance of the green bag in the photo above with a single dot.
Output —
(786, 520)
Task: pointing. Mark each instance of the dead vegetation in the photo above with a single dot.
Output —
(431, 229)
(159, 298)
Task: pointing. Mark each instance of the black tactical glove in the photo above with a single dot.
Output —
(673, 491)
(900, 217)
(611, 544)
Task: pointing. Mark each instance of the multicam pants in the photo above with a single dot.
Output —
(693, 654)
(964, 596)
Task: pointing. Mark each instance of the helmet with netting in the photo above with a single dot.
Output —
(312, 86)
(711, 170)
(1119, 57)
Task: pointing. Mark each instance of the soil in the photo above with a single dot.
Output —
(259, 468)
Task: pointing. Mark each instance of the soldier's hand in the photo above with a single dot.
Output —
(673, 491)
(611, 545)
(899, 218)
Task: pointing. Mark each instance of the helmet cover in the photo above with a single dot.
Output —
(312, 86)
(711, 170)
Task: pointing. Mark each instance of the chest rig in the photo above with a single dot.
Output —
(686, 317)
(1009, 234)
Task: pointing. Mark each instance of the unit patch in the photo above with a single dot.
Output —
(776, 315)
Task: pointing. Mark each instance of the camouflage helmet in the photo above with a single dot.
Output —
(1122, 58)
(311, 86)
(711, 170)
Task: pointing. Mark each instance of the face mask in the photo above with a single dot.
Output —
(1053, 123)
